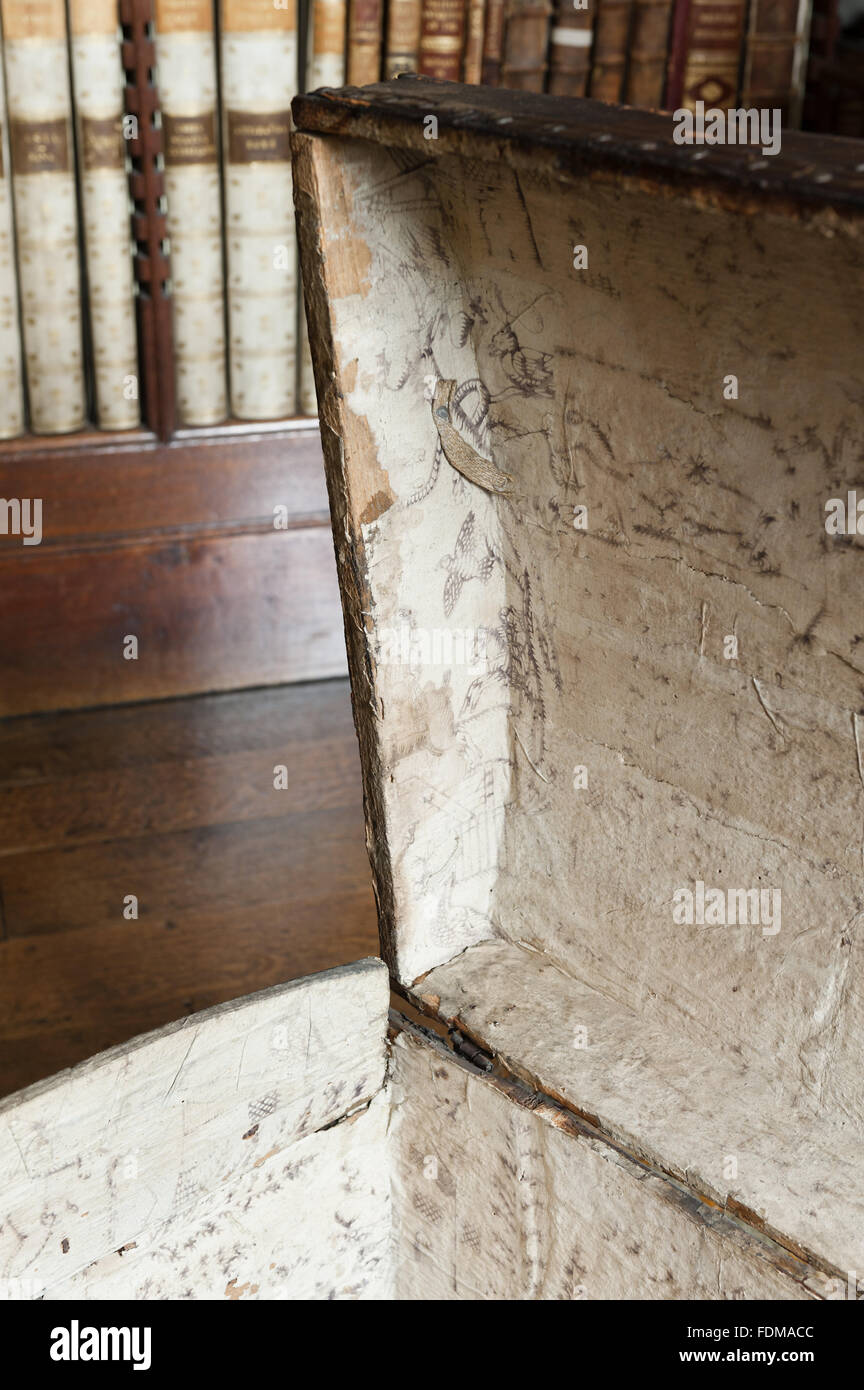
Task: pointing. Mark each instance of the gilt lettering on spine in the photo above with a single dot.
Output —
(705, 53)
(442, 38)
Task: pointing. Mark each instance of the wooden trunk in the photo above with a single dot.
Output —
(586, 398)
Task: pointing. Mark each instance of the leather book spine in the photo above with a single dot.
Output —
(186, 64)
(364, 41)
(609, 58)
(42, 148)
(403, 37)
(649, 49)
(705, 54)
(526, 41)
(98, 88)
(12, 417)
(775, 57)
(258, 47)
(472, 65)
(570, 49)
(442, 38)
(493, 43)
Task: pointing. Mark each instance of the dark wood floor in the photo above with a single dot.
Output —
(239, 885)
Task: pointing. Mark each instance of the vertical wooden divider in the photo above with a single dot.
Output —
(152, 265)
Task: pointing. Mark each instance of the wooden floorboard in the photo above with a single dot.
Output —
(239, 885)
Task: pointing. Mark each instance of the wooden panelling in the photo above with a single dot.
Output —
(238, 884)
(214, 550)
(210, 613)
(96, 487)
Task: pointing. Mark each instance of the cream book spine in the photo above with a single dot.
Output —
(97, 82)
(39, 103)
(325, 67)
(12, 417)
(259, 80)
(186, 75)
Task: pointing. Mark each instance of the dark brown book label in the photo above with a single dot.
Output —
(254, 138)
(40, 147)
(102, 144)
(190, 139)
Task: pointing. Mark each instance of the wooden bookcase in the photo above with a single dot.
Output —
(177, 544)
(211, 546)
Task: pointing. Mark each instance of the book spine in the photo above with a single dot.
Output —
(824, 32)
(799, 64)
(493, 43)
(258, 47)
(526, 40)
(186, 62)
(775, 56)
(325, 67)
(609, 59)
(46, 217)
(472, 65)
(570, 49)
(403, 37)
(364, 41)
(325, 45)
(705, 54)
(97, 80)
(12, 419)
(649, 46)
(442, 37)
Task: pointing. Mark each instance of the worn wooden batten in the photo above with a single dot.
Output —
(604, 654)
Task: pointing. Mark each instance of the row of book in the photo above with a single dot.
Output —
(68, 339)
(226, 75)
(652, 53)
